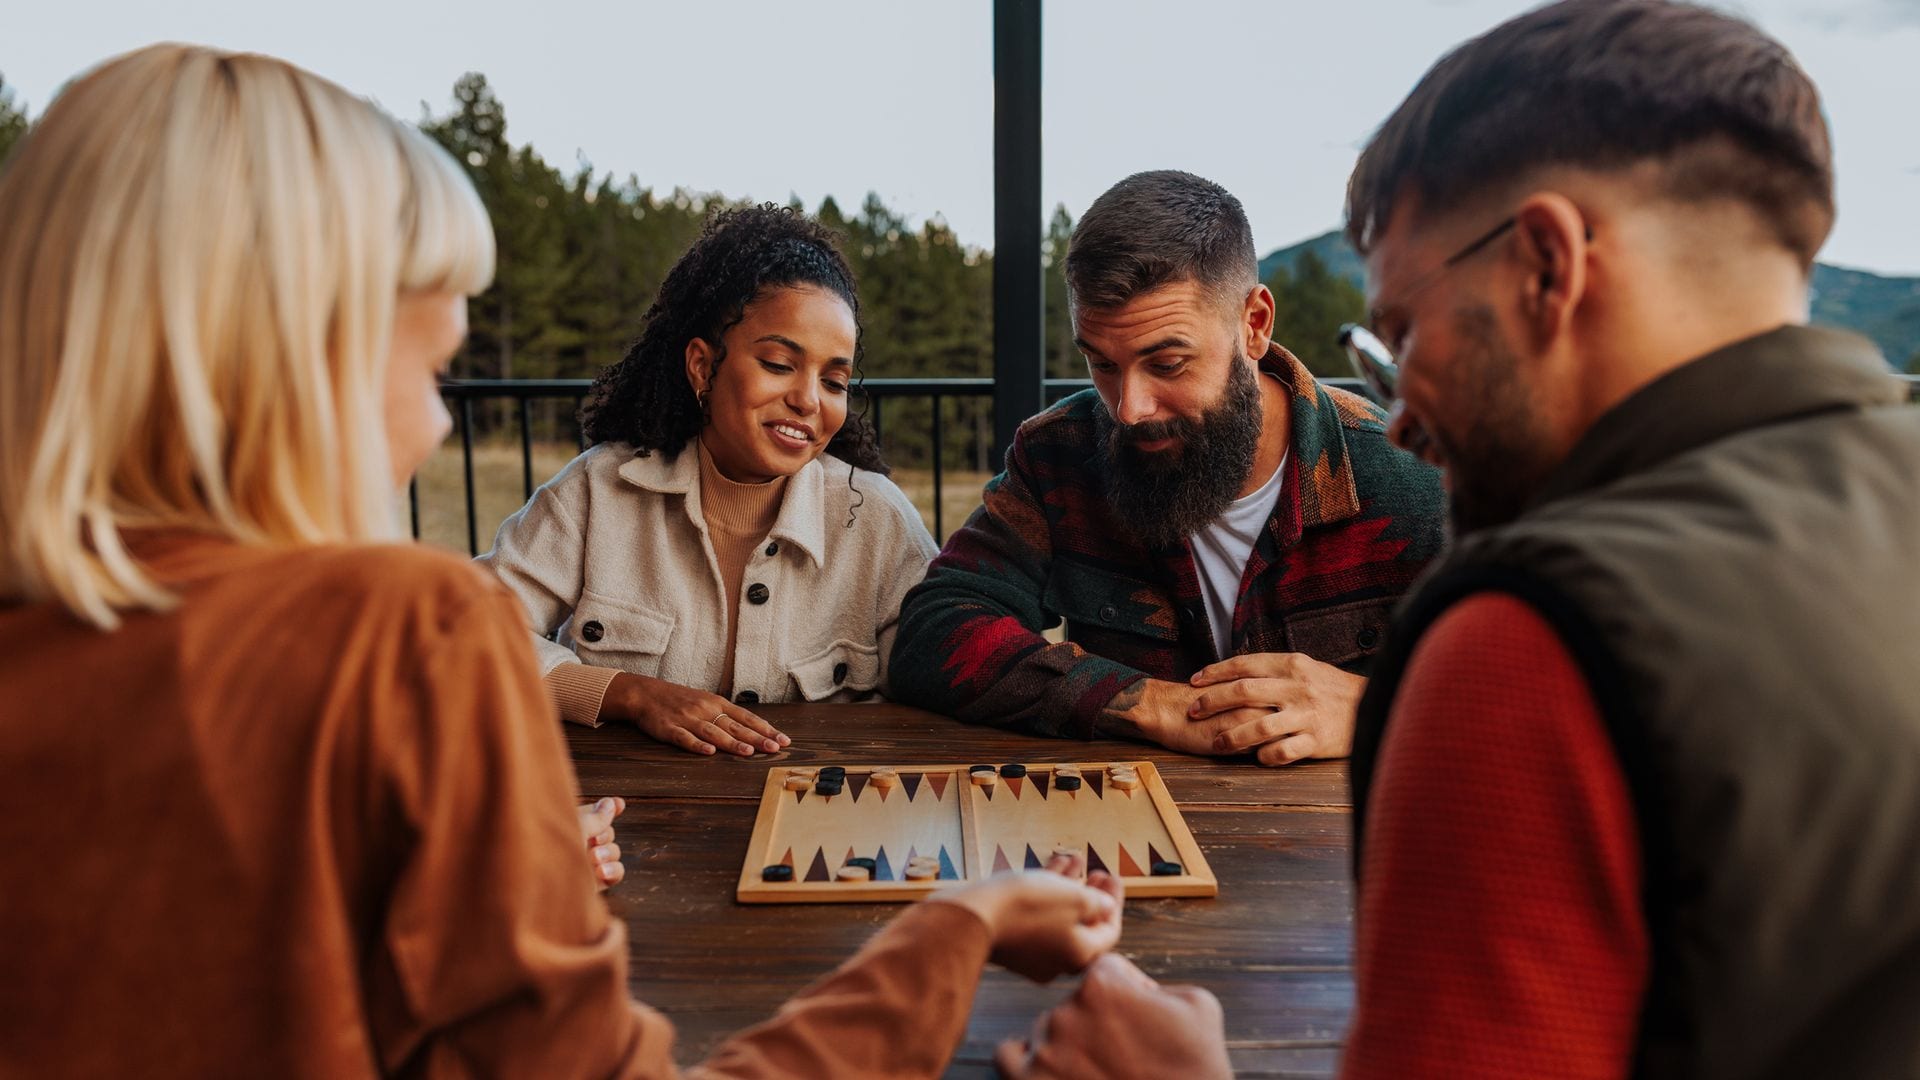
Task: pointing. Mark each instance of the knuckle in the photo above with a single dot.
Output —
(1097, 983)
(1201, 1000)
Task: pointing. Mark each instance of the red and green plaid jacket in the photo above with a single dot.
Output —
(1356, 521)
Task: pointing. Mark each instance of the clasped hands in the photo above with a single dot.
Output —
(1284, 707)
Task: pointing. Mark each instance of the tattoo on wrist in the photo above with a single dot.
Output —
(1115, 717)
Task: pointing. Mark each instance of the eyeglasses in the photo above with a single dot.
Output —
(1371, 358)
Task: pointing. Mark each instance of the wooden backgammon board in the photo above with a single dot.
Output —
(867, 833)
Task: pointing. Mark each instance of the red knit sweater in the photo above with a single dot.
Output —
(1499, 928)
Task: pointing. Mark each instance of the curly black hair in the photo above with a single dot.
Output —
(742, 253)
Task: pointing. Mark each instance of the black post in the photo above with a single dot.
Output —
(1019, 286)
(466, 469)
(526, 448)
(939, 464)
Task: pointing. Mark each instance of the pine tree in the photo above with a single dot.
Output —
(1312, 302)
(13, 121)
(514, 327)
(1063, 360)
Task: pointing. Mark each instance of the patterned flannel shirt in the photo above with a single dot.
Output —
(1356, 521)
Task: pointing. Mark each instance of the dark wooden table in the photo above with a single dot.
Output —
(1275, 945)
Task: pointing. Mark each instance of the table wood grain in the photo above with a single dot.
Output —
(1275, 945)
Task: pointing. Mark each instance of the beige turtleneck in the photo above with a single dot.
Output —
(738, 518)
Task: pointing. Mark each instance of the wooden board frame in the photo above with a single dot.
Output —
(1197, 881)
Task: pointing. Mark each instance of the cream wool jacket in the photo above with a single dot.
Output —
(612, 562)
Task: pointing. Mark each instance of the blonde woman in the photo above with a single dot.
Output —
(278, 796)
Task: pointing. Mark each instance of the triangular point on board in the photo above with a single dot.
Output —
(1094, 862)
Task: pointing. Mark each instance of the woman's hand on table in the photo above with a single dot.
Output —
(1046, 923)
(693, 720)
(596, 825)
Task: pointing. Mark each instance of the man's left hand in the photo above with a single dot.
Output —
(1290, 706)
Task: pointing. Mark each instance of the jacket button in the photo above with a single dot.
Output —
(773, 548)
(839, 673)
(1367, 638)
(746, 697)
(756, 593)
(592, 631)
(1108, 613)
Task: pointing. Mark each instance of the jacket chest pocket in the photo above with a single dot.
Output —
(1099, 603)
(611, 633)
(1344, 636)
(843, 665)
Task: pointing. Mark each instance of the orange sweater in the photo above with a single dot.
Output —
(318, 821)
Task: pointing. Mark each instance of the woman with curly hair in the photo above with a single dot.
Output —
(731, 539)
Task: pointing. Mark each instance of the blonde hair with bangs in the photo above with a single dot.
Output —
(199, 262)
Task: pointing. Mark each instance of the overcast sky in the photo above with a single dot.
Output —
(1271, 98)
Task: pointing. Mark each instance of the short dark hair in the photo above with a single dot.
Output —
(1605, 84)
(1156, 228)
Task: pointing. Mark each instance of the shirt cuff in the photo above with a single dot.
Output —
(579, 690)
(1093, 684)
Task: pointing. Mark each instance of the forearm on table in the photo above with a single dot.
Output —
(898, 1008)
(998, 673)
(1043, 688)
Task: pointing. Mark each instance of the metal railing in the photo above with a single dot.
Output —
(461, 397)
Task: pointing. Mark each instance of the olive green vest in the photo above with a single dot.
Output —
(1732, 555)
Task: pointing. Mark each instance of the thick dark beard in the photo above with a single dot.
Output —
(1496, 467)
(1162, 498)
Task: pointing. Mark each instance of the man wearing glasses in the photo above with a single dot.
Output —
(1223, 536)
(1637, 780)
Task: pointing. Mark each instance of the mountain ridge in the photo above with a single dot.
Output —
(1883, 307)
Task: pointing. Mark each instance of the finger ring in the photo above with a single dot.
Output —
(717, 717)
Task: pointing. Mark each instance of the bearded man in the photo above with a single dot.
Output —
(1636, 784)
(1223, 536)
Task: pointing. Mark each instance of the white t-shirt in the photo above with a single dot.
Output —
(1221, 550)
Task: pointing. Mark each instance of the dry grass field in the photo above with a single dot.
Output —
(498, 491)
